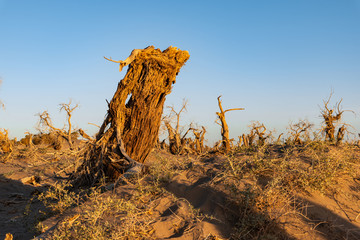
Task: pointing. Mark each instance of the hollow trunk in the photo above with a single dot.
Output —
(130, 129)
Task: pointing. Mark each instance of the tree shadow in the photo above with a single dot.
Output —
(19, 208)
(329, 224)
(234, 220)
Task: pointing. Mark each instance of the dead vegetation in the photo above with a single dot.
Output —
(6, 145)
(257, 135)
(131, 127)
(332, 118)
(226, 143)
(177, 140)
(45, 121)
(256, 189)
(299, 132)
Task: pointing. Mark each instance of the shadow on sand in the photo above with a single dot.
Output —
(19, 211)
(227, 215)
(329, 224)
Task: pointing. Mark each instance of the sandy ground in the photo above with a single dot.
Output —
(191, 190)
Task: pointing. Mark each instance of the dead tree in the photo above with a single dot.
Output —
(199, 139)
(28, 140)
(226, 145)
(331, 117)
(176, 141)
(256, 130)
(130, 129)
(259, 130)
(297, 130)
(45, 120)
(6, 145)
(247, 139)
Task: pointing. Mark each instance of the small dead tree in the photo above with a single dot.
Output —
(45, 121)
(28, 140)
(226, 145)
(199, 139)
(6, 145)
(246, 140)
(130, 129)
(332, 116)
(297, 130)
(177, 140)
(257, 132)
(260, 130)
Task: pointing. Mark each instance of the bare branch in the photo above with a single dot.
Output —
(94, 125)
(233, 109)
(127, 61)
(84, 135)
(109, 59)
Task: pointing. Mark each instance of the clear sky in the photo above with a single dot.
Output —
(277, 59)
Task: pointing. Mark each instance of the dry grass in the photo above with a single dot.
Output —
(272, 176)
(262, 182)
(99, 215)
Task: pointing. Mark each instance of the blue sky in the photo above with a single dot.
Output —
(277, 59)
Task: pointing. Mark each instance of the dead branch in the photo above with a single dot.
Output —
(279, 137)
(84, 135)
(128, 60)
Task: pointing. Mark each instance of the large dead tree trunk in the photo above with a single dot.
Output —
(131, 127)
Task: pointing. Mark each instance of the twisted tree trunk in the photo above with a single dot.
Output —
(131, 127)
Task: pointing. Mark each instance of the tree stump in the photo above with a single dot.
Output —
(130, 129)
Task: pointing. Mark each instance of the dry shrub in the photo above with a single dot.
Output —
(49, 139)
(299, 132)
(6, 145)
(274, 176)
